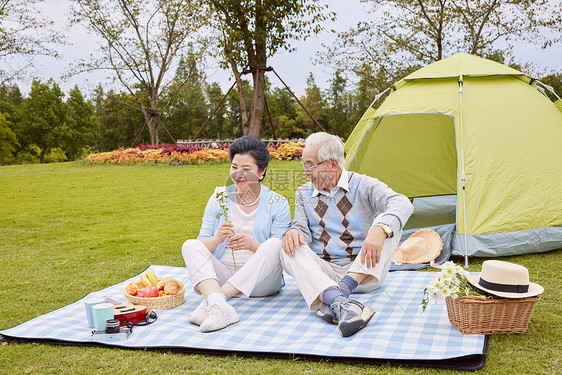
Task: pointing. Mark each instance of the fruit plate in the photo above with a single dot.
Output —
(157, 303)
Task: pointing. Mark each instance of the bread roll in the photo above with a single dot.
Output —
(163, 281)
(171, 287)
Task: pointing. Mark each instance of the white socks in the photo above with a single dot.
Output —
(217, 298)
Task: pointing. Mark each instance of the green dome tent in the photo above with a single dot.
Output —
(479, 135)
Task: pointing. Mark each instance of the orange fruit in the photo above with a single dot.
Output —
(132, 289)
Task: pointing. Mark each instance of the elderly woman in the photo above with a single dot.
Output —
(241, 255)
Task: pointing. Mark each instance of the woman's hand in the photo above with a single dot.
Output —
(225, 231)
(243, 241)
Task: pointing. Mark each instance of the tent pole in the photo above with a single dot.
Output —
(549, 88)
(377, 97)
(463, 179)
(463, 175)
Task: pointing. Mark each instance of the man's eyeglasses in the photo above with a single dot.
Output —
(308, 168)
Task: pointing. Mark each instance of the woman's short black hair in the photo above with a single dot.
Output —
(252, 146)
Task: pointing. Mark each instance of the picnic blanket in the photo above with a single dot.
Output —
(282, 326)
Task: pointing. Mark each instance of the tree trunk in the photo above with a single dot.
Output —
(258, 104)
(242, 98)
(255, 46)
(258, 62)
(42, 155)
(243, 108)
(153, 128)
(243, 105)
(153, 118)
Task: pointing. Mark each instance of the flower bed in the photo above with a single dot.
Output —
(286, 151)
(180, 155)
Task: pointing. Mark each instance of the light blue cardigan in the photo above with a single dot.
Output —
(272, 219)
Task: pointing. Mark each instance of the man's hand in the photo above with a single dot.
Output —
(242, 241)
(372, 247)
(292, 239)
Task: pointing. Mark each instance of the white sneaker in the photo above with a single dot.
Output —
(199, 314)
(218, 317)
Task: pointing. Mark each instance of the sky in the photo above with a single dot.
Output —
(293, 68)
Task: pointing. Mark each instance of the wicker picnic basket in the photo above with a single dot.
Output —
(157, 303)
(489, 316)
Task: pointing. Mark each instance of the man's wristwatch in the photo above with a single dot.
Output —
(386, 228)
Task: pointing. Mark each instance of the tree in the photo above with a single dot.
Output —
(234, 116)
(78, 130)
(8, 140)
(283, 109)
(252, 31)
(218, 124)
(143, 40)
(187, 107)
(314, 101)
(10, 99)
(338, 113)
(407, 33)
(484, 22)
(23, 32)
(116, 120)
(42, 117)
(554, 81)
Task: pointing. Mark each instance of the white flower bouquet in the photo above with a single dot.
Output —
(451, 281)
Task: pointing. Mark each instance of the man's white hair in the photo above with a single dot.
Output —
(329, 147)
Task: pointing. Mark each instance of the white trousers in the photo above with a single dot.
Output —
(313, 274)
(258, 274)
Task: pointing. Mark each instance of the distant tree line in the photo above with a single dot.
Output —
(48, 125)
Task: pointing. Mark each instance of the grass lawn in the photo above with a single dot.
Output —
(69, 229)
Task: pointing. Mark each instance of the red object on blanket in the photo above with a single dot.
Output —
(130, 312)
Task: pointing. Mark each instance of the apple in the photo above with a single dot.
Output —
(150, 291)
(139, 294)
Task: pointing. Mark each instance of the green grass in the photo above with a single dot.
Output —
(69, 229)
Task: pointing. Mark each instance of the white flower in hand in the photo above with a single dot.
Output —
(221, 196)
(220, 192)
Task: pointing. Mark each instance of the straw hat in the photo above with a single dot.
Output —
(504, 279)
(423, 246)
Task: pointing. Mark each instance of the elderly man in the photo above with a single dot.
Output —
(345, 229)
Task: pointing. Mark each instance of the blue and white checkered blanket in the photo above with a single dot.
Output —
(282, 324)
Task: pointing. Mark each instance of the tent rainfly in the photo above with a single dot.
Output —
(479, 135)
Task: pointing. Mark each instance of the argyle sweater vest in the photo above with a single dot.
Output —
(339, 224)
